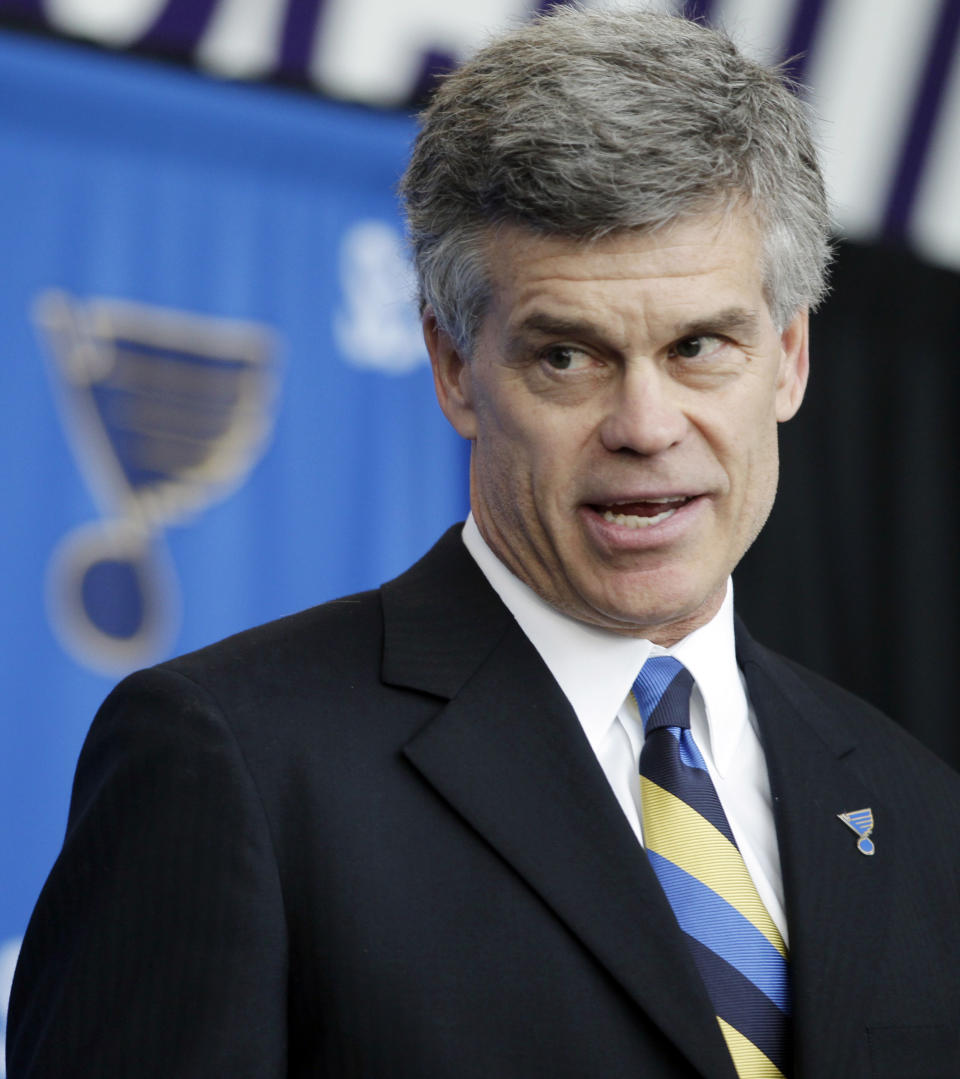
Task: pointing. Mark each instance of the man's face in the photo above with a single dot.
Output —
(622, 400)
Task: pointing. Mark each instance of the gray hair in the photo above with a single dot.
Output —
(583, 123)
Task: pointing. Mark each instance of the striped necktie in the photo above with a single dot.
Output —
(737, 948)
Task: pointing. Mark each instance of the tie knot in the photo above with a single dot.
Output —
(662, 690)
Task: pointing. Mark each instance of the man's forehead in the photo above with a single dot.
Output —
(515, 254)
(706, 269)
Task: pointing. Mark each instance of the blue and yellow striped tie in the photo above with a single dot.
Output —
(737, 948)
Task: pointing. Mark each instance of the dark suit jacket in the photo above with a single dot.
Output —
(371, 840)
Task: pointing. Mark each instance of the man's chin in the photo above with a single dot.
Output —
(663, 615)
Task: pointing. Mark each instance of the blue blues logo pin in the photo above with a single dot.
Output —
(166, 411)
(861, 822)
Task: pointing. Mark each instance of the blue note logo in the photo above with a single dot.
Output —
(376, 326)
(860, 821)
(166, 412)
(9, 950)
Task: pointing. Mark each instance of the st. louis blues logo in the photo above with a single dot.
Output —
(861, 822)
(166, 412)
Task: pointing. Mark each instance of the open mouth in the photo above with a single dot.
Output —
(642, 514)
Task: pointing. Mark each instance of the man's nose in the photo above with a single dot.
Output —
(644, 414)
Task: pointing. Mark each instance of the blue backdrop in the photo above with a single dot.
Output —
(215, 403)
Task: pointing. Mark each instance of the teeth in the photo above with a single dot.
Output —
(629, 521)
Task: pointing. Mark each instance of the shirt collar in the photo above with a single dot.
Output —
(596, 667)
(710, 655)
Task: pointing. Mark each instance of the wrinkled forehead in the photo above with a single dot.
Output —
(724, 219)
(517, 257)
(703, 275)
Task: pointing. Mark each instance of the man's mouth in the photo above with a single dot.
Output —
(642, 514)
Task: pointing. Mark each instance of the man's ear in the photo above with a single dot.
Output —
(451, 376)
(794, 365)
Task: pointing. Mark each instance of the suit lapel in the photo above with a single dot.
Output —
(510, 758)
(836, 897)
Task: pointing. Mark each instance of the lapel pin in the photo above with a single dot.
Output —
(861, 822)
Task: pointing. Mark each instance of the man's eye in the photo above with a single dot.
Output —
(564, 358)
(692, 348)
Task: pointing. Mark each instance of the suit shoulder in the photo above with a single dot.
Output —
(332, 634)
(308, 682)
(277, 674)
(879, 737)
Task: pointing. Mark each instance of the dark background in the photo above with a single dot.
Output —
(855, 574)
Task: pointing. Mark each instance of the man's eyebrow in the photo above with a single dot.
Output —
(556, 326)
(735, 321)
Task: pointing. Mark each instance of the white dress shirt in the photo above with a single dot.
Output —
(596, 669)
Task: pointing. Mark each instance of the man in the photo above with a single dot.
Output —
(406, 834)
